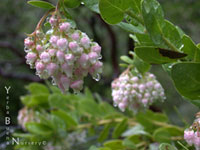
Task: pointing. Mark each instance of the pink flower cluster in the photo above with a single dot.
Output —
(192, 134)
(26, 115)
(65, 54)
(135, 92)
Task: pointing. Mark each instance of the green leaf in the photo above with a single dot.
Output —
(70, 122)
(72, 3)
(141, 66)
(92, 5)
(144, 39)
(136, 6)
(112, 11)
(37, 88)
(126, 59)
(148, 119)
(190, 48)
(165, 146)
(58, 101)
(38, 128)
(186, 77)
(136, 130)
(114, 145)
(156, 55)
(35, 100)
(120, 128)
(104, 134)
(130, 28)
(163, 33)
(129, 144)
(41, 4)
(165, 134)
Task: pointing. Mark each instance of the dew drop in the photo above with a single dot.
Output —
(97, 77)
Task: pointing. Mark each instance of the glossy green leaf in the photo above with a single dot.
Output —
(37, 88)
(126, 59)
(165, 134)
(144, 39)
(165, 146)
(114, 144)
(72, 3)
(105, 133)
(148, 119)
(136, 6)
(129, 144)
(112, 11)
(163, 33)
(57, 101)
(141, 65)
(38, 128)
(136, 130)
(130, 28)
(186, 77)
(157, 56)
(41, 4)
(92, 5)
(120, 128)
(35, 100)
(70, 122)
(190, 48)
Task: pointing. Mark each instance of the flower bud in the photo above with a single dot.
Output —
(69, 58)
(65, 26)
(96, 49)
(60, 56)
(53, 21)
(39, 48)
(31, 57)
(40, 67)
(62, 43)
(45, 57)
(53, 40)
(93, 57)
(52, 68)
(75, 36)
(77, 85)
(52, 52)
(85, 41)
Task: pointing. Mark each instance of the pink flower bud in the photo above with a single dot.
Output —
(122, 106)
(147, 95)
(52, 52)
(133, 92)
(134, 79)
(93, 57)
(65, 26)
(73, 46)
(52, 21)
(196, 139)
(31, 57)
(53, 40)
(28, 42)
(145, 101)
(60, 56)
(96, 49)
(135, 85)
(52, 68)
(149, 84)
(69, 58)
(40, 67)
(39, 48)
(151, 76)
(45, 57)
(67, 69)
(85, 41)
(157, 86)
(62, 43)
(142, 87)
(75, 36)
(83, 60)
(65, 82)
(77, 85)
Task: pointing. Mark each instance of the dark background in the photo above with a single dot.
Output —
(18, 18)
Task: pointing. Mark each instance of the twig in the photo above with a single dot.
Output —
(11, 47)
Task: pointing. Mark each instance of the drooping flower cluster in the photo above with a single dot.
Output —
(135, 92)
(192, 134)
(65, 54)
(26, 115)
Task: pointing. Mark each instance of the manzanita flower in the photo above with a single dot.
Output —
(135, 92)
(26, 115)
(65, 54)
(192, 134)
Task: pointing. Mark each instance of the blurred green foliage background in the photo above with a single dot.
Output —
(18, 18)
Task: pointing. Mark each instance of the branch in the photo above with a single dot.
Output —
(24, 77)
(12, 48)
(113, 46)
